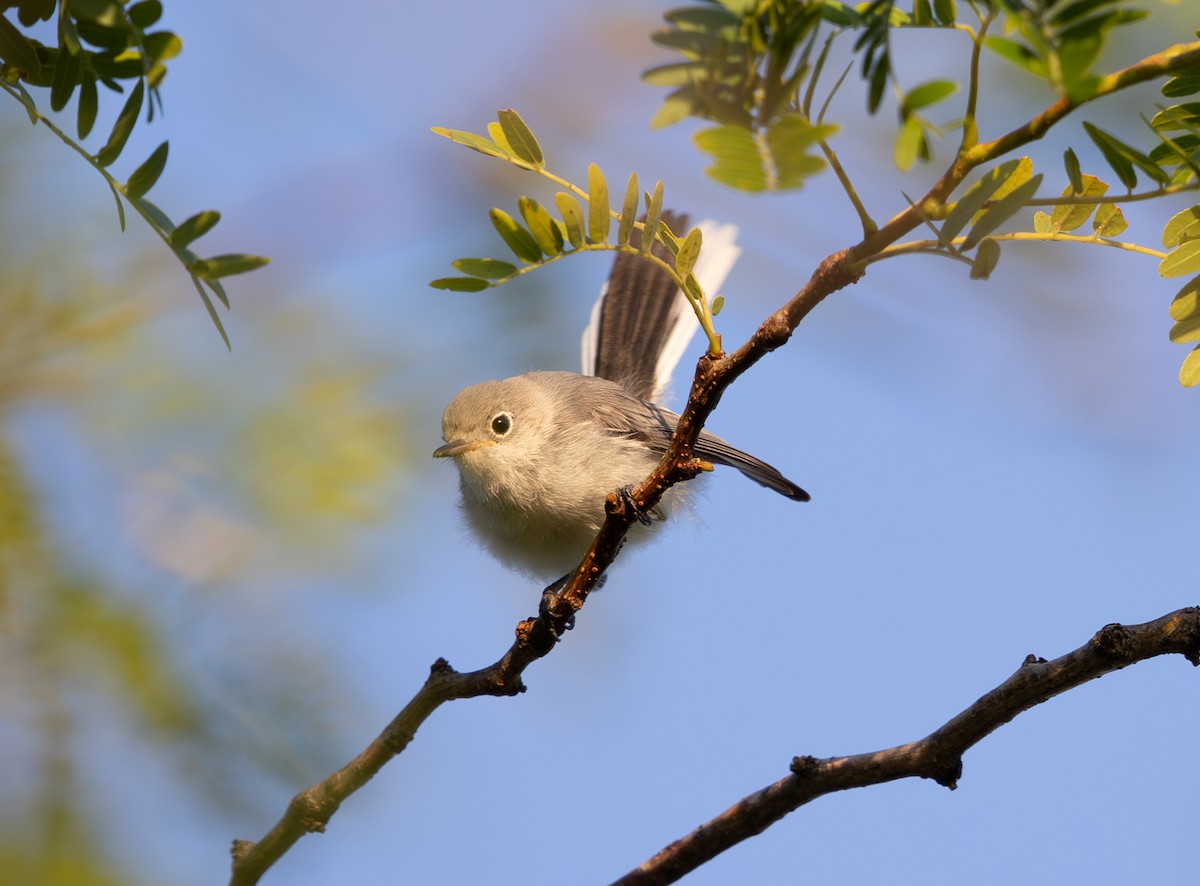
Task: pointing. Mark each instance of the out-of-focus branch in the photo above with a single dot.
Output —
(938, 756)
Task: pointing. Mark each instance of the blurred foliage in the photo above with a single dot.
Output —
(198, 497)
(103, 43)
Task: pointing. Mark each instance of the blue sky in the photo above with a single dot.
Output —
(997, 469)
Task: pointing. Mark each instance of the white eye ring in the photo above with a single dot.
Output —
(501, 423)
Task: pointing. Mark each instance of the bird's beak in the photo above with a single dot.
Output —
(458, 447)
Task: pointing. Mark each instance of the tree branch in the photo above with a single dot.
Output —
(311, 809)
(938, 756)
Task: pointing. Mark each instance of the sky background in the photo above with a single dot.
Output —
(997, 469)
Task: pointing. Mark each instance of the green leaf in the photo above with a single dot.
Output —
(689, 251)
(1185, 116)
(1185, 83)
(1186, 330)
(922, 13)
(68, 37)
(1189, 372)
(67, 72)
(519, 240)
(88, 105)
(628, 211)
(16, 49)
(946, 11)
(212, 310)
(877, 82)
(718, 304)
(520, 138)
(1041, 223)
(162, 45)
(460, 284)
(157, 216)
(1182, 226)
(978, 194)
(1017, 53)
(572, 214)
(1071, 163)
(676, 107)
(1122, 157)
(26, 100)
(487, 268)
(1187, 301)
(910, 141)
(1069, 216)
(599, 213)
(653, 213)
(225, 265)
(474, 142)
(1001, 211)
(123, 127)
(145, 13)
(986, 258)
(1184, 259)
(193, 228)
(545, 233)
(147, 174)
(927, 94)
(1109, 221)
(100, 12)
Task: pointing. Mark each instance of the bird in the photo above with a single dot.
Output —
(538, 454)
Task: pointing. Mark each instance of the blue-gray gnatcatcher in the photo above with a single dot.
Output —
(539, 453)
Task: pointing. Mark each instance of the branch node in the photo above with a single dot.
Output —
(441, 668)
(1032, 659)
(240, 848)
(948, 776)
(1111, 640)
(805, 766)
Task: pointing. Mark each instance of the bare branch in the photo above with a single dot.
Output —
(938, 756)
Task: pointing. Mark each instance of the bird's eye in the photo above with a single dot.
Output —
(502, 423)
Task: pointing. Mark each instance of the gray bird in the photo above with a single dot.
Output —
(538, 453)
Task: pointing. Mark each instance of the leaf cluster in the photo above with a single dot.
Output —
(111, 44)
(538, 237)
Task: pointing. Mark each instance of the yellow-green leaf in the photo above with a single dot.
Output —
(1186, 330)
(1182, 226)
(520, 138)
(977, 195)
(1187, 300)
(986, 258)
(689, 251)
(545, 233)
(519, 240)
(1189, 372)
(1109, 221)
(1184, 259)
(599, 213)
(460, 284)
(572, 215)
(653, 213)
(1001, 211)
(487, 268)
(1069, 216)
(628, 211)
